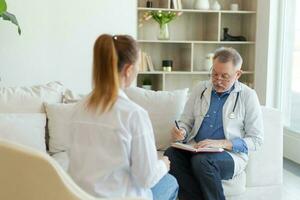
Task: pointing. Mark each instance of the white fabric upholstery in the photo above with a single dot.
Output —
(267, 163)
(263, 178)
(39, 176)
(26, 129)
(264, 171)
(235, 186)
(265, 166)
(29, 99)
(163, 108)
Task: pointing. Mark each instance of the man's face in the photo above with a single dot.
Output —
(224, 75)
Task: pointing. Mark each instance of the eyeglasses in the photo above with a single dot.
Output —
(220, 77)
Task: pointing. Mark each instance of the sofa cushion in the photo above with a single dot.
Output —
(25, 129)
(29, 99)
(163, 108)
(58, 124)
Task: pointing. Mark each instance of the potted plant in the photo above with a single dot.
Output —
(162, 18)
(147, 84)
(8, 16)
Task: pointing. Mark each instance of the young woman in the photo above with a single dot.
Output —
(112, 151)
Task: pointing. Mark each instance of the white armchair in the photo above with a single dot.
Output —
(32, 175)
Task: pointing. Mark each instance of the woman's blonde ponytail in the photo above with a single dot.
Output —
(111, 53)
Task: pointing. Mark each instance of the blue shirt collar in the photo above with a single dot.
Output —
(224, 93)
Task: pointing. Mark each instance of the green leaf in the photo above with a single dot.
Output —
(10, 17)
(163, 17)
(3, 6)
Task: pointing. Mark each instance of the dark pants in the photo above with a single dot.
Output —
(199, 175)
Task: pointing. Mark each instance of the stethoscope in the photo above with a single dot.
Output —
(232, 114)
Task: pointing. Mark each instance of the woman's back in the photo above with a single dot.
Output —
(112, 151)
(107, 151)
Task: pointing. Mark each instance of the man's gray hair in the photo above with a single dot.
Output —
(227, 54)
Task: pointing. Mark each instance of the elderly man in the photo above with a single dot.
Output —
(221, 113)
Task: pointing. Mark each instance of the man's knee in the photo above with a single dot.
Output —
(171, 153)
(201, 162)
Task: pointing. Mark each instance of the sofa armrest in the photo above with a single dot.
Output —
(265, 165)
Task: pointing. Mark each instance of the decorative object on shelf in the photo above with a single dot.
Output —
(201, 4)
(147, 84)
(234, 7)
(164, 33)
(227, 37)
(162, 18)
(208, 61)
(216, 5)
(149, 4)
(167, 65)
(8, 16)
(190, 50)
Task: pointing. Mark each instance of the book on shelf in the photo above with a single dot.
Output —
(146, 63)
(143, 62)
(190, 147)
(149, 63)
(169, 4)
(175, 4)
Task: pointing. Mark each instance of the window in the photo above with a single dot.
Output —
(290, 67)
(294, 123)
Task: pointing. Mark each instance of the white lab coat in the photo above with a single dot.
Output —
(247, 124)
(114, 154)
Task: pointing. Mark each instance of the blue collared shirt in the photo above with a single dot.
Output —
(212, 124)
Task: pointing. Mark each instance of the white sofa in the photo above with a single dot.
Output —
(261, 180)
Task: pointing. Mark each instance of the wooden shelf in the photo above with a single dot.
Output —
(186, 72)
(197, 11)
(196, 42)
(193, 36)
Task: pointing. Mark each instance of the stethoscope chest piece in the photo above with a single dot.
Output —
(231, 115)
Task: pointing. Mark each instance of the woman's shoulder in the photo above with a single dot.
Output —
(129, 106)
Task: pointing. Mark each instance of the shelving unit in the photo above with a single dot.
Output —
(193, 35)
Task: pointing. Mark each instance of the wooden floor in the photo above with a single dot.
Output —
(291, 180)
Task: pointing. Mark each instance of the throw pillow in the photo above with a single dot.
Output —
(29, 99)
(163, 108)
(25, 129)
(58, 124)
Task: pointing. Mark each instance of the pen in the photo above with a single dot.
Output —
(176, 123)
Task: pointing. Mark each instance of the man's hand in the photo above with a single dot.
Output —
(178, 134)
(225, 144)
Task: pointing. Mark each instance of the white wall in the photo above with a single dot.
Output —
(57, 39)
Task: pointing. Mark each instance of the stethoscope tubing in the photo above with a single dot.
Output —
(231, 115)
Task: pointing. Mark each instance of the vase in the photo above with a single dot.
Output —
(163, 32)
(201, 4)
(216, 5)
